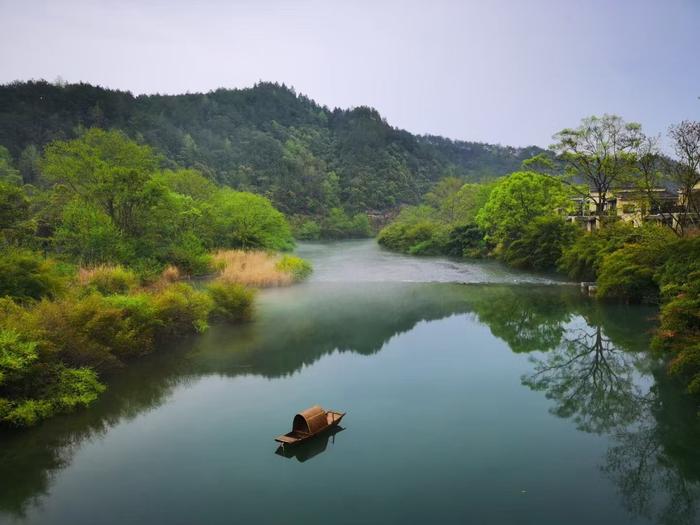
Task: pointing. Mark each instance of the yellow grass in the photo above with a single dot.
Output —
(251, 268)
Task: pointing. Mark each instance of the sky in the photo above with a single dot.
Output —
(501, 71)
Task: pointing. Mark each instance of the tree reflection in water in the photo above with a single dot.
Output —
(599, 383)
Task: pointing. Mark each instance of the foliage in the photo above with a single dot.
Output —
(627, 274)
(467, 241)
(268, 139)
(307, 229)
(27, 275)
(299, 268)
(180, 309)
(108, 280)
(518, 199)
(582, 260)
(602, 152)
(541, 244)
(417, 231)
(232, 301)
(339, 225)
(56, 390)
(679, 333)
(88, 235)
(245, 220)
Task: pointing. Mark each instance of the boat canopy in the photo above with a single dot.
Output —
(310, 420)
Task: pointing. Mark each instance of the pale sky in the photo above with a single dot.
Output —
(502, 71)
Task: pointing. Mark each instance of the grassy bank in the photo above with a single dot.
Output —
(63, 333)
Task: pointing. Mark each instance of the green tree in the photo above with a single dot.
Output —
(89, 235)
(541, 244)
(109, 170)
(245, 220)
(602, 152)
(518, 199)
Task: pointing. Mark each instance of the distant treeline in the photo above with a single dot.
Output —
(306, 158)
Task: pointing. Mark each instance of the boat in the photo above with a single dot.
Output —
(309, 423)
(310, 448)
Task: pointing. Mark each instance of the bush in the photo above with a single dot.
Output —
(679, 333)
(541, 244)
(308, 230)
(108, 279)
(339, 225)
(416, 231)
(582, 260)
(89, 235)
(55, 389)
(180, 309)
(467, 241)
(298, 267)
(232, 302)
(628, 273)
(26, 275)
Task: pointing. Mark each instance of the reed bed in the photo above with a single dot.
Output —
(251, 268)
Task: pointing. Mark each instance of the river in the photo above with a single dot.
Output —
(474, 394)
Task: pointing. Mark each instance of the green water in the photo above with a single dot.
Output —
(512, 399)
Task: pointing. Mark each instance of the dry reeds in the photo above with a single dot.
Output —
(251, 268)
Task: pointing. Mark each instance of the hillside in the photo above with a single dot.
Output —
(268, 139)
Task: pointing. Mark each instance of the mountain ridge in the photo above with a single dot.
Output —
(304, 156)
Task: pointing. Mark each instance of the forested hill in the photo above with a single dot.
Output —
(268, 139)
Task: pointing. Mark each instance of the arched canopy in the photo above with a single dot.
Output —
(310, 420)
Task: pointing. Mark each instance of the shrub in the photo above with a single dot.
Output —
(299, 268)
(108, 279)
(16, 355)
(679, 333)
(56, 389)
(541, 244)
(180, 309)
(582, 260)
(629, 273)
(27, 275)
(232, 301)
(467, 241)
(415, 231)
(90, 236)
(96, 331)
(308, 230)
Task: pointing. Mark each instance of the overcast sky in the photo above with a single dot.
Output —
(504, 71)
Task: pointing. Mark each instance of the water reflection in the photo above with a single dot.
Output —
(309, 449)
(592, 377)
(587, 358)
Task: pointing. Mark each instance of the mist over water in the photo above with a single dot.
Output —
(512, 399)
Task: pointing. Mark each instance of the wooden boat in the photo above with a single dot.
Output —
(309, 423)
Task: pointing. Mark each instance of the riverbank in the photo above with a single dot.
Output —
(56, 350)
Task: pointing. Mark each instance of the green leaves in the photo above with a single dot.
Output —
(518, 199)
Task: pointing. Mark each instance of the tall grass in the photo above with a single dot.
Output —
(251, 268)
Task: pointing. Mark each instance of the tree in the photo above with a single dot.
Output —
(601, 152)
(686, 171)
(519, 198)
(29, 164)
(8, 173)
(245, 220)
(109, 170)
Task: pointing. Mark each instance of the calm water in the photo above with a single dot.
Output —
(512, 399)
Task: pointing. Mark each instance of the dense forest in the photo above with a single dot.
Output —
(306, 158)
